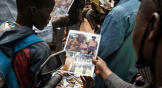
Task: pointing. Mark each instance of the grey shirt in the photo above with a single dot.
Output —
(113, 81)
(8, 10)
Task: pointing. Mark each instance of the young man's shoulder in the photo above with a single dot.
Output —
(40, 49)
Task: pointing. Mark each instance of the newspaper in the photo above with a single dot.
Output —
(103, 2)
(69, 80)
(80, 48)
(61, 7)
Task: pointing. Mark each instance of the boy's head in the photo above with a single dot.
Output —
(147, 40)
(34, 12)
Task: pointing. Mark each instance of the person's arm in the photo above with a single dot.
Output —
(111, 80)
(60, 21)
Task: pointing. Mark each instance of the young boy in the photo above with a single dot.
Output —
(27, 61)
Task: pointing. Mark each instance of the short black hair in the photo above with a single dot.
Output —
(23, 3)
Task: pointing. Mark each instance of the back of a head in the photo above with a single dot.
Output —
(21, 4)
(34, 12)
(147, 41)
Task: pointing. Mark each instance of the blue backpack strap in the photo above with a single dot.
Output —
(30, 85)
(2, 23)
(26, 42)
(6, 68)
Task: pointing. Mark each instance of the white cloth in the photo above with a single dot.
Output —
(46, 34)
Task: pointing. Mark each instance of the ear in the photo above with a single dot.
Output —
(33, 10)
(154, 26)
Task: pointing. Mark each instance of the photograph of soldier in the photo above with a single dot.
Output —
(69, 60)
(92, 43)
(73, 67)
(84, 46)
(83, 64)
(57, 11)
(84, 68)
(68, 3)
(63, 4)
(74, 43)
(58, 3)
(61, 7)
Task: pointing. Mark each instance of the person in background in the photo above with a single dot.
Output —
(116, 47)
(75, 16)
(94, 17)
(147, 42)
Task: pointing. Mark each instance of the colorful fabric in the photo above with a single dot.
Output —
(116, 47)
(28, 54)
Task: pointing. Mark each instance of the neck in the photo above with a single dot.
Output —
(23, 20)
(158, 72)
(157, 66)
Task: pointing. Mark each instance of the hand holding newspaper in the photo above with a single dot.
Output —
(80, 48)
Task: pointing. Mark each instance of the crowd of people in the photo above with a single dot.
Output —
(129, 54)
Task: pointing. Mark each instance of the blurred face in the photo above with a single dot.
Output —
(68, 1)
(76, 42)
(42, 15)
(63, 2)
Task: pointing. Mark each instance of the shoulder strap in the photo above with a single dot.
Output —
(6, 69)
(2, 23)
(26, 42)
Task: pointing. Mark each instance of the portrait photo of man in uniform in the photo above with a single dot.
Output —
(92, 43)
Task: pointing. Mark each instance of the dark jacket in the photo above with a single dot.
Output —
(73, 12)
(27, 61)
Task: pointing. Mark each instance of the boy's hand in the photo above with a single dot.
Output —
(61, 21)
(101, 68)
(87, 81)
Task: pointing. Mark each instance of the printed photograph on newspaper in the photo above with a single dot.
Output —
(104, 2)
(80, 48)
(61, 7)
